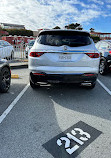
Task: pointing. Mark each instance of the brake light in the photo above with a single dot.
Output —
(93, 55)
(36, 54)
(38, 74)
(110, 52)
(89, 75)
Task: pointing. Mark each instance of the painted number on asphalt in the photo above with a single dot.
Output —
(72, 141)
(84, 136)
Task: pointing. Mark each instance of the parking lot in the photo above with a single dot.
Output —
(35, 123)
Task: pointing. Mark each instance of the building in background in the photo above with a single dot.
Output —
(35, 33)
(11, 26)
(3, 33)
(17, 40)
(101, 35)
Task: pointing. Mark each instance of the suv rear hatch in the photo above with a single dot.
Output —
(65, 49)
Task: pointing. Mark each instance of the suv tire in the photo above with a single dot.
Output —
(92, 85)
(6, 80)
(34, 85)
(103, 67)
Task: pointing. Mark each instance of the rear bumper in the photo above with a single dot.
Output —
(63, 78)
(65, 69)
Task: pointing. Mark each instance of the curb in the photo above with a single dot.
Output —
(14, 76)
(19, 66)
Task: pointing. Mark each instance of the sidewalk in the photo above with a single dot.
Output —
(18, 64)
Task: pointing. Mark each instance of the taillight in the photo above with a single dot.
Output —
(89, 75)
(93, 55)
(110, 52)
(36, 54)
(38, 74)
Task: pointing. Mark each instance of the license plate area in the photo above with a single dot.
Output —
(65, 57)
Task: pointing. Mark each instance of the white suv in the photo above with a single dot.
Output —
(67, 56)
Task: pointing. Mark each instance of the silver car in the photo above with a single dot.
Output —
(67, 56)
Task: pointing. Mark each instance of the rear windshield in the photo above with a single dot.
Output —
(70, 38)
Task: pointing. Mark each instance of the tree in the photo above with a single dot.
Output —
(95, 38)
(92, 30)
(57, 27)
(18, 32)
(75, 26)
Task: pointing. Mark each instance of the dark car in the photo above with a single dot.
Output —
(5, 76)
(104, 47)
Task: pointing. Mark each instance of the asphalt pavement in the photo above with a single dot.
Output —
(55, 121)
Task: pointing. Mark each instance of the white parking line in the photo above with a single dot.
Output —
(105, 88)
(5, 113)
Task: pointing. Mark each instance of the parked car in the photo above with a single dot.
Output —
(5, 76)
(6, 50)
(67, 56)
(28, 47)
(104, 47)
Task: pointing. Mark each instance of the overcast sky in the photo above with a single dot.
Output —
(35, 14)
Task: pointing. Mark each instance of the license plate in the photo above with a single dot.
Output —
(65, 57)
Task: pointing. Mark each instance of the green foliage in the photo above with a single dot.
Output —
(74, 26)
(57, 27)
(92, 30)
(18, 32)
(95, 38)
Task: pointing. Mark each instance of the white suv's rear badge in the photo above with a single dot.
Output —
(65, 47)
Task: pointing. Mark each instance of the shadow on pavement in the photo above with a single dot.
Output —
(94, 102)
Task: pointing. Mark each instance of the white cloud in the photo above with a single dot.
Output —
(108, 6)
(87, 15)
(82, 4)
(97, 1)
(108, 1)
(36, 14)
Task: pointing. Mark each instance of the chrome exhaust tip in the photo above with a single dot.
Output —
(85, 84)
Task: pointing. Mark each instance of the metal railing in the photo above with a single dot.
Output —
(19, 53)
